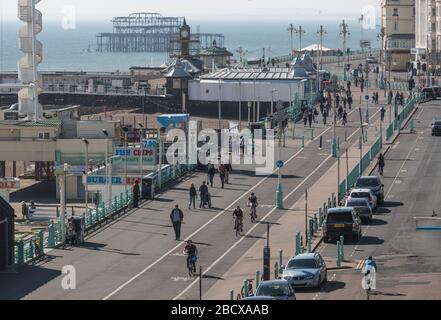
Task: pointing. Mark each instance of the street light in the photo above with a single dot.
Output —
(108, 171)
(220, 105)
(142, 157)
(126, 130)
(86, 185)
(272, 100)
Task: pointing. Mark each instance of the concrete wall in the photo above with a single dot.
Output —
(27, 150)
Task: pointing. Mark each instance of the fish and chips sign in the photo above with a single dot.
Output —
(133, 156)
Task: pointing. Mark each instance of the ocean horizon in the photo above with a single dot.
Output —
(67, 50)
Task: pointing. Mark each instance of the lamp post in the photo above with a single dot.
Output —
(108, 171)
(220, 105)
(272, 100)
(86, 172)
(126, 130)
(141, 146)
(240, 105)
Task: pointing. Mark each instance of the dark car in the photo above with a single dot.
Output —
(374, 184)
(436, 127)
(279, 289)
(342, 222)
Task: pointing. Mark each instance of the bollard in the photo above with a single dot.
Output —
(246, 287)
(411, 126)
(20, 252)
(333, 200)
(231, 294)
(40, 241)
(51, 236)
(309, 243)
(280, 261)
(311, 227)
(312, 134)
(338, 143)
(298, 243)
(58, 211)
(315, 223)
(321, 142)
(342, 253)
(303, 141)
(329, 202)
(59, 231)
(320, 217)
(257, 279)
(31, 249)
(338, 254)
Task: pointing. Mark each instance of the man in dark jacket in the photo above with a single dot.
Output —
(211, 173)
(203, 191)
(136, 194)
(193, 194)
(176, 217)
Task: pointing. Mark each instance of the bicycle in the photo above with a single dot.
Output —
(253, 212)
(191, 265)
(238, 226)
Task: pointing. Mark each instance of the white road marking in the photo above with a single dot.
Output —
(220, 214)
(251, 230)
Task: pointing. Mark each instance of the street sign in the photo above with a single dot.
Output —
(366, 97)
(280, 164)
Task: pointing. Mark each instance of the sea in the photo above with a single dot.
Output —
(75, 49)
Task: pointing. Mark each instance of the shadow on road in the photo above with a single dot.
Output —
(378, 222)
(26, 280)
(382, 211)
(326, 287)
(392, 204)
(42, 192)
(207, 276)
(367, 240)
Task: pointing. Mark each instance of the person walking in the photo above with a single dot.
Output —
(193, 194)
(31, 210)
(222, 170)
(325, 115)
(381, 163)
(349, 85)
(228, 169)
(383, 113)
(24, 210)
(305, 118)
(176, 217)
(211, 174)
(350, 102)
(203, 191)
(345, 117)
(310, 117)
(136, 194)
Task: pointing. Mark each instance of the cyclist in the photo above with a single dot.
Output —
(252, 202)
(238, 216)
(191, 251)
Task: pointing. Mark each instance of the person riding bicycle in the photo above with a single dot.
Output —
(192, 252)
(238, 216)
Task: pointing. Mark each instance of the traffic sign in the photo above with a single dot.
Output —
(280, 164)
(366, 97)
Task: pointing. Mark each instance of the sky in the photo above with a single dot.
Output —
(199, 9)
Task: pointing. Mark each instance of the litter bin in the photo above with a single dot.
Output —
(79, 229)
(147, 188)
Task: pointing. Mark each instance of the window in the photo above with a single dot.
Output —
(395, 14)
(44, 135)
(433, 27)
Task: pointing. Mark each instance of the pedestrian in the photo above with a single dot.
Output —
(136, 194)
(345, 101)
(315, 115)
(325, 115)
(24, 210)
(211, 174)
(349, 85)
(310, 117)
(193, 194)
(350, 101)
(376, 97)
(305, 118)
(228, 169)
(203, 191)
(402, 99)
(322, 106)
(345, 117)
(361, 84)
(222, 170)
(176, 217)
(383, 113)
(340, 112)
(71, 231)
(337, 100)
(381, 164)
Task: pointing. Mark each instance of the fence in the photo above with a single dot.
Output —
(28, 250)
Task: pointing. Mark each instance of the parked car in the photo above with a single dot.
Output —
(279, 289)
(362, 208)
(262, 298)
(341, 222)
(364, 194)
(374, 184)
(306, 270)
(436, 127)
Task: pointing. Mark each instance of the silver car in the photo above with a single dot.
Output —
(306, 270)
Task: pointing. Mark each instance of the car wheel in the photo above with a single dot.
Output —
(326, 277)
